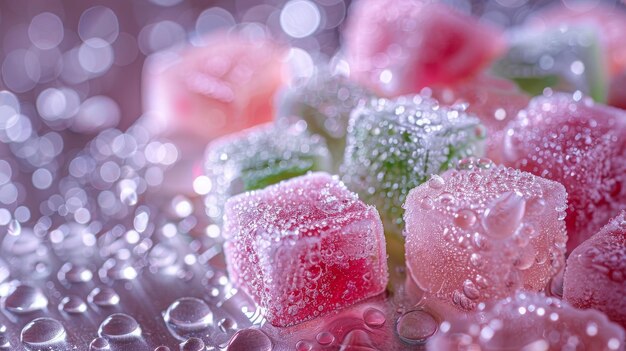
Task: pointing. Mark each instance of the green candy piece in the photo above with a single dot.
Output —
(257, 157)
(324, 102)
(562, 58)
(395, 145)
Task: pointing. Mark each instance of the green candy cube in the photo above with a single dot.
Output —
(565, 58)
(395, 145)
(257, 157)
(324, 102)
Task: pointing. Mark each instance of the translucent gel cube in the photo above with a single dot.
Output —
(480, 232)
(324, 102)
(564, 58)
(398, 47)
(531, 322)
(580, 144)
(304, 248)
(394, 145)
(595, 276)
(257, 157)
(494, 101)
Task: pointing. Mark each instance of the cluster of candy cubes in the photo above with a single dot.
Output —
(489, 155)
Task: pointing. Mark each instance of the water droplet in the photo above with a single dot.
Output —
(42, 332)
(470, 290)
(14, 228)
(526, 258)
(476, 260)
(304, 345)
(436, 182)
(325, 338)
(119, 326)
(103, 297)
(415, 327)
(5, 344)
(465, 219)
(249, 339)
(193, 344)
(357, 340)
(374, 318)
(504, 215)
(73, 304)
(71, 273)
(188, 315)
(227, 324)
(162, 348)
(25, 299)
(98, 344)
(427, 203)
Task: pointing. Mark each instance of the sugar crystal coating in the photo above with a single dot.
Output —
(304, 247)
(582, 145)
(257, 157)
(595, 276)
(494, 101)
(479, 232)
(566, 58)
(324, 102)
(395, 145)
(400, 46)
(531, 321)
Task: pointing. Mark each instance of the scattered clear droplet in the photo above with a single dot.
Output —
(25, 299)
(374, 318)
(14, 228)
(325, 338)
(415, 327)
(73, 304)
(119, 326)
(98, 344)
(504, 216)
(103, 297)
(42, 332)
(193, 344)
(249, 339)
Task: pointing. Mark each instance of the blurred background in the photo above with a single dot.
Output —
(77, 64)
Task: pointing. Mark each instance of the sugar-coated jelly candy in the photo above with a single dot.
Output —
(257, 157)
(582, 145)
(324, 102)
(494, 101)
(394, 145)
(531, 321)
(479, 232)
(595, 276)
(304, 247)
(400, 46)
(566, 58)
(224, 86)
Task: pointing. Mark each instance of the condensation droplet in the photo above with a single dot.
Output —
(374, 318)
(504, 216)
(193, 344)
(25, 299)
(325, 338)
(119, 326)
(415, 327)
(103, 297)
(42, 332)
(98, 344)
(249, 339)
(73, 304)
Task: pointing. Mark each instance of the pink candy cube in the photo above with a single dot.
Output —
(595, 276)
(480, 232)
(582, 145)
(531, 322)
(304, 248)
(400, 46)
(225, 86)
